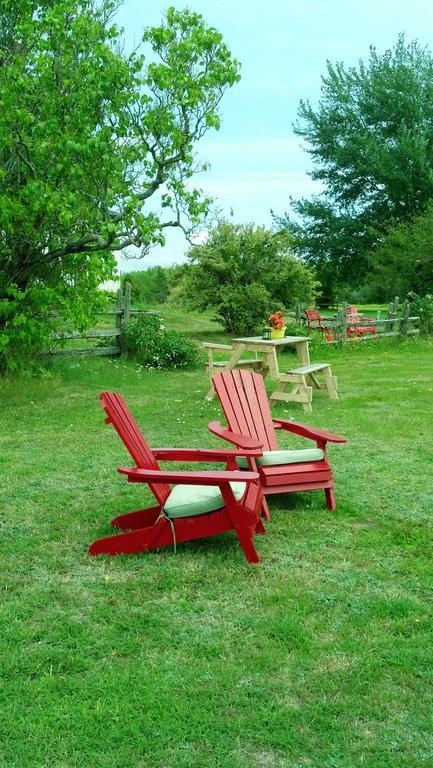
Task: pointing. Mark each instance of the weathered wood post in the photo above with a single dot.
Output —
(119, 308)
(298, 313)
(126, 307)
(378, 316)
(392, 312)
(405, 319)
(344, 323)
(338, 329)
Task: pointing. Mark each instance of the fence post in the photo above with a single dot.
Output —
(126, 310)
(298, 312)
(392, 312)
(405, 319)
(344, 324)
(378, 316)
(119, 307)
(127, 304)
(339, 329)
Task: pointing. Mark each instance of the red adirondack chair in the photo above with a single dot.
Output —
(245, 403)
(200, 504)
(353, 317)
(316, 322)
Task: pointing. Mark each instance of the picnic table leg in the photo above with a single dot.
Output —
(300, 392)
(272, 363)
(330, 383)
(238, 350)
(303, 352)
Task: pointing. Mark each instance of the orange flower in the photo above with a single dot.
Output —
(276, 320)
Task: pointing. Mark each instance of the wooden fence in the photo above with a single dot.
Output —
(121, 315)
(398, 322)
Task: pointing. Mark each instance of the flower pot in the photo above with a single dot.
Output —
(278, 333)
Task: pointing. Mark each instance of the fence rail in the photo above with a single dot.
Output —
(398, 323)
(87, 334)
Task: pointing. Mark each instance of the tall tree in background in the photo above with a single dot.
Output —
(403, 261)
(87, 137)
(371, 141)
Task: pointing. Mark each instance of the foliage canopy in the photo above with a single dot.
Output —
(371, 142)
(149, 286)
(403, 261)
(87, 136)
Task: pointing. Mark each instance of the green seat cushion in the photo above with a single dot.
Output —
(190, 500)
(274, 458)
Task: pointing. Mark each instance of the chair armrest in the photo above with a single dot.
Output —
(200, 454)
(243, 441)
(137, 475)
(304, 430)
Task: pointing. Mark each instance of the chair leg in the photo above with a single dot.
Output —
(330, 499)
(265, 510)
(158, 535)
(246, 542)
(260, 528)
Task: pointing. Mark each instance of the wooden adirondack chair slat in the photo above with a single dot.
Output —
(245, 404)
(136, 445)
(256, 395)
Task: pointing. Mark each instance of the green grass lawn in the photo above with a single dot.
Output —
(320, 657)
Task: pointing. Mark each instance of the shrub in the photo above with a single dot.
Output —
(243, 309)
(422, 306)
(155, 347)
(296, 329)
(244, 272)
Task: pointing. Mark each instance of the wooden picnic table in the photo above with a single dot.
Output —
(269, 350)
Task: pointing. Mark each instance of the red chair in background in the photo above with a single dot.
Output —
(316, 322)
(355, 320)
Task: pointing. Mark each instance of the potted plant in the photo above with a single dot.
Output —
(278, 327)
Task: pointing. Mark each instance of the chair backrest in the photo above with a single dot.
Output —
(119, 415)
(313, 316)
(243, 398)
(352, 314)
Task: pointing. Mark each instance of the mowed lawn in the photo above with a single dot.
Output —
(320, 657)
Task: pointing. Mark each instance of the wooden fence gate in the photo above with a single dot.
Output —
(120, 314)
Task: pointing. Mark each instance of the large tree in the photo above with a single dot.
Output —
(88, 135)
(371, 142)
(403, 262)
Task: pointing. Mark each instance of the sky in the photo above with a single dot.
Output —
(257, 162)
